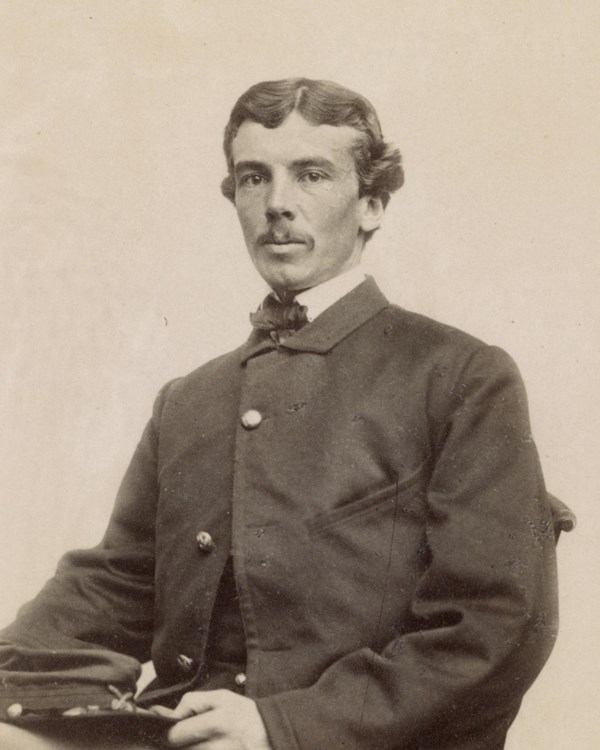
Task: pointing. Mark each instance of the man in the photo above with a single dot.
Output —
(336, 536)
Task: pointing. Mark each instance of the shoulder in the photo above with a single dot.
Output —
(211, 380)
(441, 355)
(419, 337)
(426, 334)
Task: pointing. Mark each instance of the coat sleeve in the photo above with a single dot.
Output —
(484, 611)
(92, 622)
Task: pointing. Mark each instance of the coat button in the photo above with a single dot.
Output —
(205, 541)
(251, 419)
(14, 711)
(185, 662)
(240, 679)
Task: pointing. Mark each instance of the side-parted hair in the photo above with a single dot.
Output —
(378, 164)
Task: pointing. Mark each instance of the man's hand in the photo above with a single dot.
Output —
(216, 720)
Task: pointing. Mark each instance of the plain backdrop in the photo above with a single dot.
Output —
(123, 266)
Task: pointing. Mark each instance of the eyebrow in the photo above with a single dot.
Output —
(311, 161)
(243, 166)
(314, 161)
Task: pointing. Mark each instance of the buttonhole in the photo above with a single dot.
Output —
(296, 407)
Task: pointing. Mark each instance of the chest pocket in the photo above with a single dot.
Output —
(405, 497)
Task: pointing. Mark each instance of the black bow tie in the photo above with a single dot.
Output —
(274, 315)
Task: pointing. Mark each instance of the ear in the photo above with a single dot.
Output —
(371, 213)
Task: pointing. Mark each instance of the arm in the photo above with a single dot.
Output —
(484, 611)
(98, 607)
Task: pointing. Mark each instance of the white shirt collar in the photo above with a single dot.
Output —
(318, 298)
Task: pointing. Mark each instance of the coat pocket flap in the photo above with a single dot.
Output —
(406, 494)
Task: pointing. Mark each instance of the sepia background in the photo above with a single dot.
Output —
(122, 266)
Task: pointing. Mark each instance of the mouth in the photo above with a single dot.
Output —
(280, 236)
(281, 241)
(281, 246)
(284, 249)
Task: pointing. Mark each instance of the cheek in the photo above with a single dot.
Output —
(248, 215)
(336, 216)
(335, 202)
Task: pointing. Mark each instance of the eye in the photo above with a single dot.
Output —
(253, 180)
(312, 177)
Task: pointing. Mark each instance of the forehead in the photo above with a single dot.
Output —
(294, 140)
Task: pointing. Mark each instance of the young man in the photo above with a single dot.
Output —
(336, 536)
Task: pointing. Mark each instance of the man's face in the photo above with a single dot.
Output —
(297, 200)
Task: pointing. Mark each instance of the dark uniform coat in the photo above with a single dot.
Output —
(375, 479)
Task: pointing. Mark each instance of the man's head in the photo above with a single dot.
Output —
(310, 176)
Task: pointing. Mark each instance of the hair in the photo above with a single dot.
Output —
(377, 163)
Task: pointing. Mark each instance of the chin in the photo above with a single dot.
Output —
(286, 281)
(286, 286)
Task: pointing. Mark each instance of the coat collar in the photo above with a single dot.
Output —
(328, 328)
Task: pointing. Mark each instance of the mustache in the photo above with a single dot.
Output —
(280, 234)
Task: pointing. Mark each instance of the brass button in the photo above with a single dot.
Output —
(251, 419)
(205, 541)
(185, 662)
(14, 710)
(240, 679)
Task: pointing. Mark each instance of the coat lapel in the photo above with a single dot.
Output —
(330, 327)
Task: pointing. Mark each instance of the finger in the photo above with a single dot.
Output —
(200, 701)
(196, 729)
(168, 713)
(192, 704)
(218, 743)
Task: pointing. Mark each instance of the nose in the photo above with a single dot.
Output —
(280, 200)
